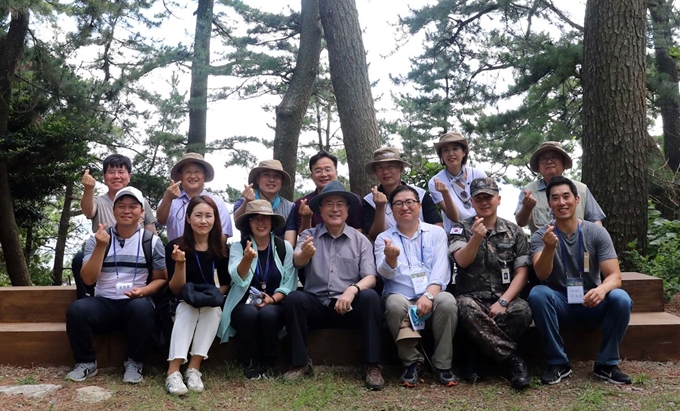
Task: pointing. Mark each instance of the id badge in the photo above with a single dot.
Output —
(505, 275)
(586, 262)
(122, 288)
(574, 291)
(419, 280)
(216, 279)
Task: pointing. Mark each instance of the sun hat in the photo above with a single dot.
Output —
(259, 207)
(406, 331)
(383, 155)
(274, 165)
(549, 146)
(335, 188)
(192, 158)
(451, 137)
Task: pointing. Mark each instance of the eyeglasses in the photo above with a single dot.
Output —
(260, 219)
(408, 203)
(552, 159)
(331, 205)
(190, 173)
(319, 171)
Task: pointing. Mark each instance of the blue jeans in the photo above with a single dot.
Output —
(551, 310)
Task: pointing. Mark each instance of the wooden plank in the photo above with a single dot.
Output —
(39, 304)
(645, 290)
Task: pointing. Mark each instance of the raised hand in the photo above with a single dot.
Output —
(173, 191)
(249, 253)
(391, 251)
(178, 255)
(478, 228)
(102, 236)
(440, 186)
(528, 200)
(380, 199)
(307, 248)
(549, 238)
(88, 180)
(304, 209)
(248, 193)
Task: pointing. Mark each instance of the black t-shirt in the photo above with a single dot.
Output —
(199, 274)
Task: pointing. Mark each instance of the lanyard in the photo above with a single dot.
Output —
(563, 249)
(259, 276)
(212, 270)
(115, 261)
(422, 252)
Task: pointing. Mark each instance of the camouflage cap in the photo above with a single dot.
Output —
(485, 185)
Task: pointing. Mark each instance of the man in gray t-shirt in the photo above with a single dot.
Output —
(577, 264)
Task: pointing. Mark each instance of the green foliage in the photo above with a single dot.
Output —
(663, 252)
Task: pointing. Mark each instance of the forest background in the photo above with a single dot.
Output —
(240, 80)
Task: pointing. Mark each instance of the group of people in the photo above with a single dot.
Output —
(333, 259)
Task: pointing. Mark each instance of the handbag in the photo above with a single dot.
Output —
(202, 295)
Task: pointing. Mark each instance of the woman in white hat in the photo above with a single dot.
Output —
(450, 188)
(262, 274)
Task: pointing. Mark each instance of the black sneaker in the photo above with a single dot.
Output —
(519, 374)
(555, 373)
(410, 376)
(447, 378)
(612, 374)
(253, 372)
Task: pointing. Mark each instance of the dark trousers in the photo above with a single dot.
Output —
(258, 332)
(82, 290)
(134, 317)
(304, 310)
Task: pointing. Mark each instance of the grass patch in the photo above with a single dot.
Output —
(27, 380)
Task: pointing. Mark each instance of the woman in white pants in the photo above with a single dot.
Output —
(195, 257)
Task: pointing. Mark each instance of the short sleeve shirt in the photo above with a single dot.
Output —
(104, 213)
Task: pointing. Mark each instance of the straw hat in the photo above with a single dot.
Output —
(192, 158)
(259, 207)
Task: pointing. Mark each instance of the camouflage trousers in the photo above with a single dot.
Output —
(495, 337)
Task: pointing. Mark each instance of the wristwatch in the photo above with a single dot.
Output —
(503, 302)
(429, 296)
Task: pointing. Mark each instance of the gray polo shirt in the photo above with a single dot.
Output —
(338, 262)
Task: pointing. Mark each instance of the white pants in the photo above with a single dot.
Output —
(193, 324)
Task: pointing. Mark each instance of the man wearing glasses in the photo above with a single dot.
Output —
(339, 288)
(376, 212)
(550, 160)
(493, 257)
(189, 176)
(410, 257)
(323, 167)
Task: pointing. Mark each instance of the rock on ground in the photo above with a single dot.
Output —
(92, 394)
(30, 391)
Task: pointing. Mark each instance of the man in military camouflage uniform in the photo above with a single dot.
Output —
(493, 258)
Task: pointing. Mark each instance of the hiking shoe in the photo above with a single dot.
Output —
(133, 371)
(253, 372)
(374, 379)
(295, 373)
(409, 377)
(447, 378)
(193, 379)
(270, 372)
(612, 374)
(174, 384)
(555, 373)
(82, 370)
(519, 373)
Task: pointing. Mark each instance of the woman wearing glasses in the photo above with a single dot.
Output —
(376, 211)
(198, 257)
(262, 274)
(450, 188)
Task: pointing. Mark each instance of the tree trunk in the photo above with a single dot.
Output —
(28, 244)
(11, 49)
(614, 116)
(667, 81)
(349, 75)
(200, 69)
(62, 233)
(291, 111)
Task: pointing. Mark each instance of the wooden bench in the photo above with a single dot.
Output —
(33, 332)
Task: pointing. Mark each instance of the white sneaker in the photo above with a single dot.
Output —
(193, 378)
(174, 384)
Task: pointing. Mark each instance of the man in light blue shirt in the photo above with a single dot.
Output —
(411, 258)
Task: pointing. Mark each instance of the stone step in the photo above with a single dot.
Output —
(49, 304)
(650, 336)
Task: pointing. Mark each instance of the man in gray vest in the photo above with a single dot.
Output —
(550, 160)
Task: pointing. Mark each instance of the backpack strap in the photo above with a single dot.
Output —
(279, 245)
(147, 242)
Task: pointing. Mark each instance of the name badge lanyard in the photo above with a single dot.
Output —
(563, 247)
(212, 269)
(115, 261)
(460, 192)
(422, 257)
(262, 278)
